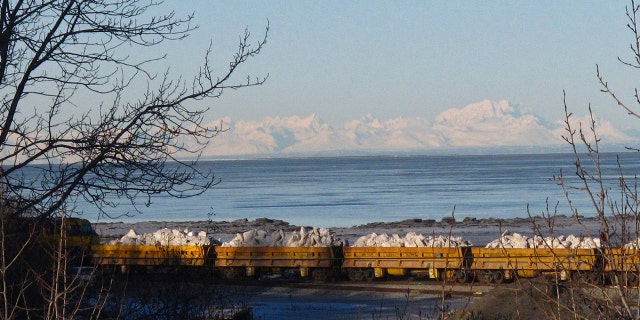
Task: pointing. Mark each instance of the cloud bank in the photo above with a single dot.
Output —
(487, 125)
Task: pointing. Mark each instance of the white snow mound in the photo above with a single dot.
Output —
(166, 237)
(633, 244)
(411, 239)
(517, 240)
(306, 237)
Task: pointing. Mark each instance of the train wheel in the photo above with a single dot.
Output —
(319, 275)
(448, 276)
(460, 276)
(632, 279)
(353, 274)
(585, 277)
(369, 275)
(592, 278)
(486, 276)
(629, 279)
(577, 278)
(230, 273)
(498, 276)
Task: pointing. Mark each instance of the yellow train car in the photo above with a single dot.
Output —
(368, 263)
(150, 256)
(76, 233)
(501, 264)
(618, 259)
(622, 265)
(317, 262)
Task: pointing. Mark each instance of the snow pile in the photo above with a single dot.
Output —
(517, 240)
(411, 239)
(165, 237)
(306, 237)
(633, 245)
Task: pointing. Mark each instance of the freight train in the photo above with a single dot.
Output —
(324, 263)
(451, 264)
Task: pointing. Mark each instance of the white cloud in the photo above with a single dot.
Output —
(605, 130)
(480, 125)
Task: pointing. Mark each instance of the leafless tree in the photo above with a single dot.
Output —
(74, 124)
(615, 203)
(608, 289)
(65, 85)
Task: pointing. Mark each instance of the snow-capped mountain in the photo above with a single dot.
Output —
(493, 124)
(485, 124)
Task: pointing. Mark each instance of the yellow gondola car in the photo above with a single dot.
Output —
(367, 263)
(150, 256)
(500, 264)
(76, 233)
(318, 262)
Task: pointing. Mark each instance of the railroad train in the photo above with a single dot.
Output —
(451, 264)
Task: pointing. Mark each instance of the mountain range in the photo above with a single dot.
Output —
(486, 126)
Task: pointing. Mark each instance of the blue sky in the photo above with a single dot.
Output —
(344, 59)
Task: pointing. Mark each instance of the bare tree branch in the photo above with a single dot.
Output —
(119, 143)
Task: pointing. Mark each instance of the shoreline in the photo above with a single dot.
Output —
(477, 231)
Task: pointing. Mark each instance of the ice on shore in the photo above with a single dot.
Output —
(166, 237)
(306, 237)
(516, 240)
(411, 239)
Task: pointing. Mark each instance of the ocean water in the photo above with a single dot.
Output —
(348, 191)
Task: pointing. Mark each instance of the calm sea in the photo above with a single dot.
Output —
(347, 191)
